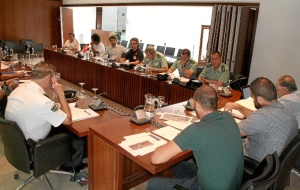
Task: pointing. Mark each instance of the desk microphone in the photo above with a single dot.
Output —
(98, 104)
(232, 81)
(103, 93)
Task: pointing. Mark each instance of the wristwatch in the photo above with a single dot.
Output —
(183, 66)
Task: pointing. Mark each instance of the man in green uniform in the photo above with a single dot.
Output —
(187, 67)
(217, 73)
(216, 145)
(155, 60)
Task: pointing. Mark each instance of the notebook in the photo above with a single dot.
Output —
(81, 114)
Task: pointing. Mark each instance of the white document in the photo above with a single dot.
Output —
(178, 125)
(5, 65)
(143, 144)
(176, 117)
(81, 114)
(248, 103)
(235, 113)
(167, 132)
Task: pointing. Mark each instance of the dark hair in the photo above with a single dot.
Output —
(263, 87)
(42, 69)
(136, 40)
(95, 38)
(113, 37)
(186, 52)
(287, 82)
(207, 97)
(216, 52)
(72, 34)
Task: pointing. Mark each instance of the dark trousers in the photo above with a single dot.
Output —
(77, 145)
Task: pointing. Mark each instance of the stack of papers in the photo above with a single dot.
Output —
(142, 143)
(167, 132)
(81, 114)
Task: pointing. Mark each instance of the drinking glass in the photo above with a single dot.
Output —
(82, 92)
(23, 64)
(54, 47)
(160, 102)
(95, 97)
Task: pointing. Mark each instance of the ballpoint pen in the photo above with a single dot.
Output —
(87, 112)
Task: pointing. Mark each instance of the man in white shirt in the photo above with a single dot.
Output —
(288, 95)
(35, 113)
(97, 46)
(72, 43)
(114, 51)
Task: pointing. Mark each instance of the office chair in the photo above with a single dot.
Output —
(245, 92)
(170, 51)
(179, 53)
(124, 43)
(40, 157)
(237, 80)
(19, 48)
(288, 159)
(38, 47)
(264, 174)
(161, 49)
(141, 46)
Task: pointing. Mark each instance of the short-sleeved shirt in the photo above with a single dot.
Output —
(191, 65)
(217, 148)
(72, 44)
(219, 74)
(268, 129)
(132, 56)
(99, 47)
(292, 103)
(33, 111)
(159, 61)
(115, 53)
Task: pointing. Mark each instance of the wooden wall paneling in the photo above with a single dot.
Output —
(67, 23)
(211, 32)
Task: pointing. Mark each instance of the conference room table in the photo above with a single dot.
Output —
(112, 167)
(126, 87)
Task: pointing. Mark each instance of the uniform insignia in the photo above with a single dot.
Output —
(223, 68)
(54, 108)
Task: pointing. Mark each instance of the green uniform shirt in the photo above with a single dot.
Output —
(217, 148)
(159, 61)
(191, 65)
(220, 74)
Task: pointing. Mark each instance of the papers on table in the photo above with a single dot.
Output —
(5, 65)
(178, 125)
(235, 113)
(175, 75)
(176, 117)
(81, 114)
(141, 144)
(167, 132)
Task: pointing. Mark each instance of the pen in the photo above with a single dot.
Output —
(87, 112)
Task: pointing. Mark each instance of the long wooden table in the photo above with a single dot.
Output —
(111, 167)
(125, 87)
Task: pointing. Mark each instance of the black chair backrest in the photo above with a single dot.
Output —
(161, 49)
(124, 43)
(288, 159)
(236, 82)
(38, 47)
(179, 53)
(19, 48)
(15, 148)
(170, 51)
(265, 174)
(245, 92)
(141, 46)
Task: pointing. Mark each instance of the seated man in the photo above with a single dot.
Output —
(187, 67)
(35, 112)
(72, 43)
(134, 55)
(269, 128)
(288, 95)
(155, 60)
(216, 145)
(114, 51)
(97, 47)
(216, 73)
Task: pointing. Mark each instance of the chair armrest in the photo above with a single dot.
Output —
(249, 167)
(50, 153)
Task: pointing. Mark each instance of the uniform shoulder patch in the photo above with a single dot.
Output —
(54, 108)
(223, 68)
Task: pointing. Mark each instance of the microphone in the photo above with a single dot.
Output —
(103, 93)
(232, 81)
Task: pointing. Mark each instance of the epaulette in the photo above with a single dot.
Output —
(223, 68)
(158, 55)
